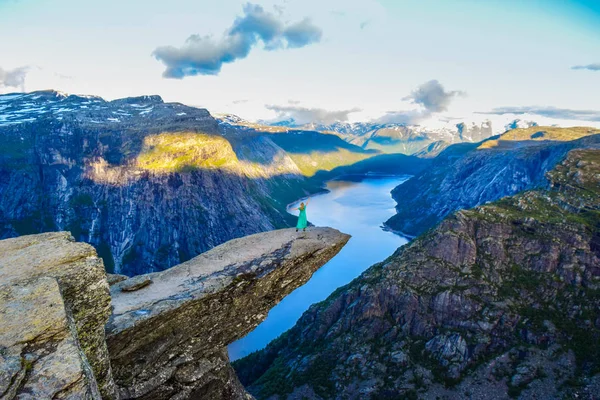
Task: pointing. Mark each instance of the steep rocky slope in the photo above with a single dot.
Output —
(469, 174)
(167, 332)
(496, 302)
(151, 184)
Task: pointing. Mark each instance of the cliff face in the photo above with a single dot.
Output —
(41, 357)
(466, 175)
(149, 184)
(499, 301)
(168, 331)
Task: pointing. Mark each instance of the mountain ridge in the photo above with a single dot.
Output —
(466, 175)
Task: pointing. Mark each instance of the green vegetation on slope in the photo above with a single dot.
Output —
(177, 152)
(512, 138)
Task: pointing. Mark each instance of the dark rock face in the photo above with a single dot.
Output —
(467, 175)
(108, 173)
(499, 301)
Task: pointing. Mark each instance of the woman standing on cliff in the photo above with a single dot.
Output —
(302, 216)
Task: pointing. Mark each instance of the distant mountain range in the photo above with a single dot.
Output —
(391, 137)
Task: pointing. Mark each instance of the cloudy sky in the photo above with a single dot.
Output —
(324, 60)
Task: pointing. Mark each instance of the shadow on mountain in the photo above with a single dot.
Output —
(150, 201)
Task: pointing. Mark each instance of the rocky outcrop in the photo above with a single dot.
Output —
(168, 331)
(169, 338)
(496, 302)
(40, 356)
(55, 304)
(465, 175)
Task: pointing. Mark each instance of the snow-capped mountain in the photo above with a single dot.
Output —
(19, 108)
(394, 137)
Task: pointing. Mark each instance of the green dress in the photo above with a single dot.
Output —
(301, 219)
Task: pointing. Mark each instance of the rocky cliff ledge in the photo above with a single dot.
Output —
(168, 331)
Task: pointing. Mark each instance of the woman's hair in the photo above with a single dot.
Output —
(302, 206)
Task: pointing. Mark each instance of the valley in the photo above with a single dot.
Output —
(355, 205)
(495, 302)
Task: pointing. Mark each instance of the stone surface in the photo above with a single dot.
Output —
(115, 278)
(501, 301)
(168, 339)
(135, 283)
(40, 357)
(82, 282)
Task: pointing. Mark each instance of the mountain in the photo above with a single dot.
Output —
(469, 174)
(500, 301)
(150, 184)
(395, 137)
(321, 155)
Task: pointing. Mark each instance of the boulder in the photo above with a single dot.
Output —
(81, 278)
(39, 351)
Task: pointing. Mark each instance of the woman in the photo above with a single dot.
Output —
(302, 216)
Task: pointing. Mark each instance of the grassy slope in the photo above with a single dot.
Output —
(512, 138)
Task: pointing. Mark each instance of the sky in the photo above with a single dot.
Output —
(316, 60)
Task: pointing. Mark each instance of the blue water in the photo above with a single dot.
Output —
(357, 207)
